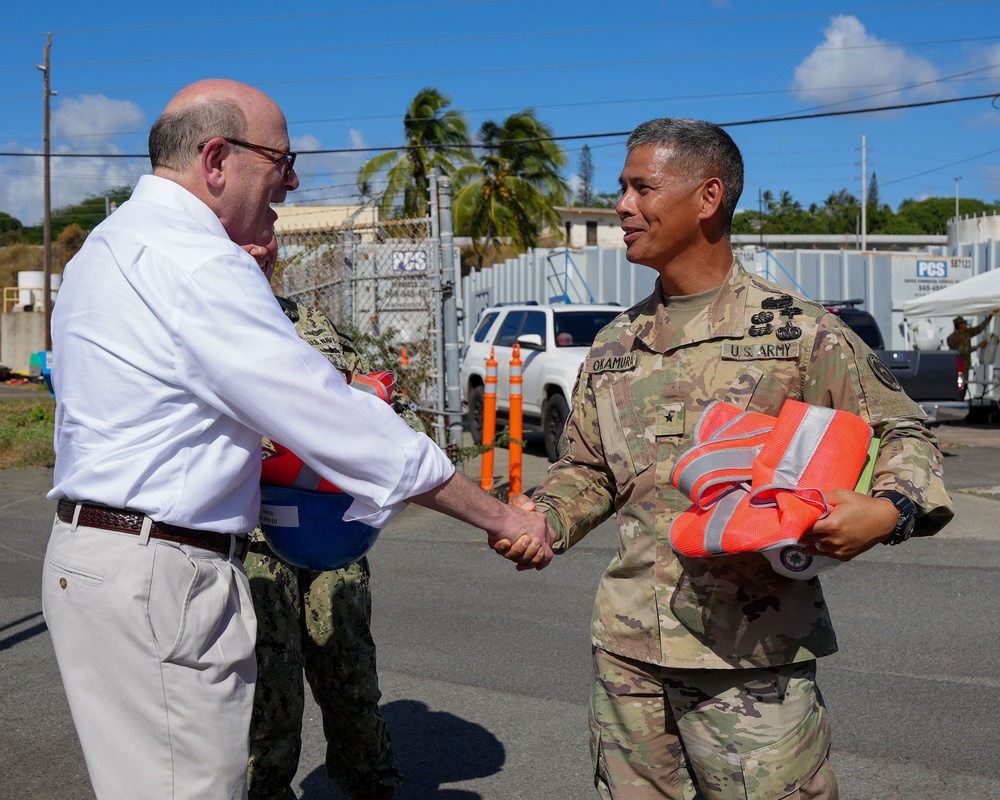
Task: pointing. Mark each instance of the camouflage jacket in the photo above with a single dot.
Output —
(340, 349)
(962, 340)
(641, 390)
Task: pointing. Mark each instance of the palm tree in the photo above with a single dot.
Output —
(434, 138)
(511, 192)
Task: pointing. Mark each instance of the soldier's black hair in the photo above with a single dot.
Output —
(700, 148)
(175, 136)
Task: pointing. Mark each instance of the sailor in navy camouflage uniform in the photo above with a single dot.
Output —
(319, 622)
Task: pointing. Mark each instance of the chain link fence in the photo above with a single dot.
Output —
(380, 281)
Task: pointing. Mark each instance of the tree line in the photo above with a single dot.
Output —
(841, 213)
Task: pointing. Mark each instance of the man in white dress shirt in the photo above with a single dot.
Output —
(171, 359)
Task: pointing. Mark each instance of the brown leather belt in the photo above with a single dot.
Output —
(125, 521)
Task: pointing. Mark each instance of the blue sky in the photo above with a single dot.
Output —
(344, 72)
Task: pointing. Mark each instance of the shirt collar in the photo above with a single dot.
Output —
(165, 192)
(724, 317)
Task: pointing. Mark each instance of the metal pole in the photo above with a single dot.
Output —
(956, 207)
(864, 195)
(438, 294)
(47, 224)
(350, 253)
(451, 342)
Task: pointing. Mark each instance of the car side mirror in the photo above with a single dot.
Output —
(531, 341)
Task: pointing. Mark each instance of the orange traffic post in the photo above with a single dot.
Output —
(489, 422)
(514, 448)
(404, 358)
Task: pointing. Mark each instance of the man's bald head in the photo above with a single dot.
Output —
(217, 140)
(199, 112)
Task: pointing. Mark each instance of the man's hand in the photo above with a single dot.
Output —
(265, 252)
(531, 536)
(503, 546)
(856, 523)
(516, 534)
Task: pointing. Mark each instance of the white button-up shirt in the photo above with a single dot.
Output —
(171, 358)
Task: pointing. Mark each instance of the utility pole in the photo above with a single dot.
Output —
(956, 204)
(47, 224)
(864, 195)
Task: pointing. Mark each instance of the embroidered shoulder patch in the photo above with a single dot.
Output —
(883, 373)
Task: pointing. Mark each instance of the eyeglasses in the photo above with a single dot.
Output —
(285, 161)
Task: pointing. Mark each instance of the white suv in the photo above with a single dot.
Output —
(554, 341)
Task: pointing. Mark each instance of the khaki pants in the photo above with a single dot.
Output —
(155, 647)
(737, 734)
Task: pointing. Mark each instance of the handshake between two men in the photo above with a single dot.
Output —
(515, 531)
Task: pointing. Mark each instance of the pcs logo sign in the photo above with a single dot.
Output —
(932, 268)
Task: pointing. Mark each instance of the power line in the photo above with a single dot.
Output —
(543, 67)
(571, 137)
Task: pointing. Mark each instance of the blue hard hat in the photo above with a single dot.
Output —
(307, 529)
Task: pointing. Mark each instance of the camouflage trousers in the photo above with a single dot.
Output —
(317, 622)
(689, 734)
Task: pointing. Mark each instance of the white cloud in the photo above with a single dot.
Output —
(327, 178)
(993, 181)
(851, 63)
(988, 119)
(93, 123)
(88, 124)
(357, 138)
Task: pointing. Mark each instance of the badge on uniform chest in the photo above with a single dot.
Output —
(670, 419)
(752, 351)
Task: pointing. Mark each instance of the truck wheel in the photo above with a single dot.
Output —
(476, 405)
(556, 412)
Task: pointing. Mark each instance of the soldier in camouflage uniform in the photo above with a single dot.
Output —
(960, 339)
(704, 669)
(318, 621)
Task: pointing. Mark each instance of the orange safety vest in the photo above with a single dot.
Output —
(758, 482)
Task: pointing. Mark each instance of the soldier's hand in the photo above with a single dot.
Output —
(856, 523)
(530, 551)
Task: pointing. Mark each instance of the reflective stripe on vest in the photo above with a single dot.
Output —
(728, 440)
(808, 451)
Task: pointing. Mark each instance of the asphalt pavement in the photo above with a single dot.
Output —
(484, 670)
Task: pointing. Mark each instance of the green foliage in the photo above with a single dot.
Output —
(435, 137)
(841, 213)
(502, 440)
(26, 428)
(86, 214)
(932, 214)
(413, 380)
(604, 200)
(10, 227)
(513, 189)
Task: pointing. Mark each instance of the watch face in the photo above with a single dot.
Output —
(907, 516)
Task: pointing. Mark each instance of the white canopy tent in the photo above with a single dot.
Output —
(972, 297)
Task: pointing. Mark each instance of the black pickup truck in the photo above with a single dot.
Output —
(932, 378)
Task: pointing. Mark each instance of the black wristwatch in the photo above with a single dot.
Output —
(907, 517)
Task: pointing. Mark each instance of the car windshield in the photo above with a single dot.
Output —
(578, 328)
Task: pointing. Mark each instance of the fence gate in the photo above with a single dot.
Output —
(383, 280)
